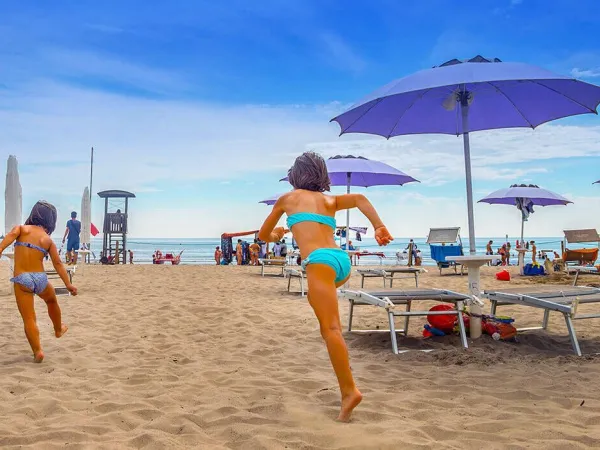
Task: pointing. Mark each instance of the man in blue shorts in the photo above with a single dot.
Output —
(72, 232)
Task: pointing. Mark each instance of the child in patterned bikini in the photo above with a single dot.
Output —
(32, 244)
(311, 218)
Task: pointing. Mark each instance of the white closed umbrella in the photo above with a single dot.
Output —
(86, 218)
(13, 196)
(13, 202)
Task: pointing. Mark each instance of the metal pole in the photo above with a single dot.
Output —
(464, 106)
(522, 230)
(348, 214)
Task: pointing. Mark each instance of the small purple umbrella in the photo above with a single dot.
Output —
(459, 97)
(271, 200)
(360, 171)
(524, 197)
(596, 182)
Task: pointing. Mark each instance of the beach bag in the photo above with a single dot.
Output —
(533, 270)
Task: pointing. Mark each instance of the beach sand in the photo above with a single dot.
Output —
(218, 357)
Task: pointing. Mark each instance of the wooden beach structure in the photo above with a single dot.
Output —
(114, 240)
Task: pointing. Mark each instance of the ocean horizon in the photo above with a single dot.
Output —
(201, 250)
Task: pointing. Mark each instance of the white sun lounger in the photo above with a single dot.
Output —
(563, 299)
(296, 273)
(389, 273)
(391, 300)
(279, 263)
(588, 270)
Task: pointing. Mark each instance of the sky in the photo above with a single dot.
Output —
(200, 107)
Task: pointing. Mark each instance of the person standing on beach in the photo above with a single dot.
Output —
(311, 217)
(32, 244)
(254, 253)
(533, 252)
(238, 252)
(72, 232)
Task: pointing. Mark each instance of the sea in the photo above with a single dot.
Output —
(201, 250)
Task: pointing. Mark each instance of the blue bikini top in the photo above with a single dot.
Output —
(310, 217)
(33, 246)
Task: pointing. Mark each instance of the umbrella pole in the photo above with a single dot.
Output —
(522, 231)
(348, 215)
(474, 266)
(467, 149)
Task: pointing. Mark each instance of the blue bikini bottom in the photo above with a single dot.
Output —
(335, 258)
(36, 282)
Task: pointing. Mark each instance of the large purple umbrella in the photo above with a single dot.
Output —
(524, 197)
(459, 97)
(360, 171)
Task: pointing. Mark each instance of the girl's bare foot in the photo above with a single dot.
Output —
(349, 402)
(38, 356)
(62, 331)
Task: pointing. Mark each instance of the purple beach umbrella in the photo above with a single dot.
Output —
(524, 197)
(271, 200)
(459, 97)
(596, 182)
(360, 171)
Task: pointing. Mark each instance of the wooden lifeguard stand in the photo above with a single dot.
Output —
(116, 210)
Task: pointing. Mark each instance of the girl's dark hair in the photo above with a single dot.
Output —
(309, 172)
(43, 214)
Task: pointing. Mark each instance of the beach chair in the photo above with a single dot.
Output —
(53, 275)
(563, 299)
(277, 263)
(444, 243)
(391, 300)
(577, 270)
(388, 274)
(296, 273)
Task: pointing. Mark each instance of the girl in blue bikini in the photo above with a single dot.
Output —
(32, 244)
(311, 218)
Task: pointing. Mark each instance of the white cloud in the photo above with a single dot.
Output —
(338, 52)
(586, 73)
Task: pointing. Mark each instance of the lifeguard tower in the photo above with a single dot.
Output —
(116, 210)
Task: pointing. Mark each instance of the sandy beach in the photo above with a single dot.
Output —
(219, 357)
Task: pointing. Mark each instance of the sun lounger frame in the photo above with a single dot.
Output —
(295, 273)
(390, 300)
(581, 270)
(563, 300)
(279, 263)
(53, 274)
(389, 274)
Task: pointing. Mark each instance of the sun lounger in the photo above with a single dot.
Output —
(391, 300)
(389, 273)
(53, 274)
(278, 263)
(588, 270)
(563, 299)
(296, 273)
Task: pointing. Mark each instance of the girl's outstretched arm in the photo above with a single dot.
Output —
(60, 269)
(268, 232)
(10, 238)
(361, 202)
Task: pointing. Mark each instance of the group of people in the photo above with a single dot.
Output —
(503, 251)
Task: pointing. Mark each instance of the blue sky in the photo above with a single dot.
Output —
(200, 107)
